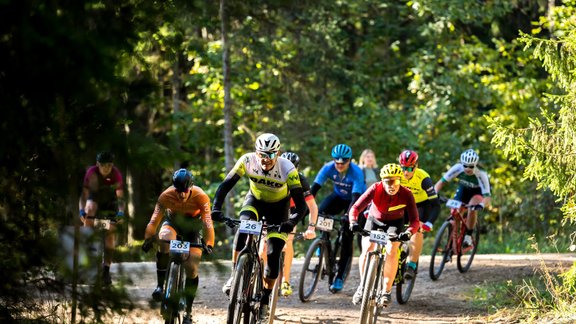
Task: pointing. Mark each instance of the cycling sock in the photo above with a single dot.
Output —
(265, 296)
(162, 260)
(191, 288)
(412, 265)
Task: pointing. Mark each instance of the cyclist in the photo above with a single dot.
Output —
(187, 211)
(422, 187)
(348, 181)
(473, 188)
(286, 288)
(103, 193)
(389, 201)
(273, 180)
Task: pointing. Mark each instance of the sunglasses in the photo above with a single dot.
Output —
(341, 161)
(391, 182)
(468, 166)
(267, 155)
(409, 169)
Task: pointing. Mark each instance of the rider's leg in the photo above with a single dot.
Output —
(345, 250)
(288, 256)
(472, 214)
(109, 245)
(416, 242)
(275, 245)
(391, 264)
(162, 255)
(191, 284)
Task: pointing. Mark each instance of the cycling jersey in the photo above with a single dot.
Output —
(344, 184)
(103, 189)
(268, 186)
(479, 180)
(196, 205)
(385, 207)
(421, 186)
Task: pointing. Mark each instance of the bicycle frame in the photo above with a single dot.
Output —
(174, 300)
(449, 241)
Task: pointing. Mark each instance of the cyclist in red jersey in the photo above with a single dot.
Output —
(103, 193)
(388, 202)
(187, 211)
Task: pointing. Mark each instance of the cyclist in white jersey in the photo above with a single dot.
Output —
(473, 188)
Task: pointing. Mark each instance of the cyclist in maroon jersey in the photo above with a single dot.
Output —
(103, 193)
(388, 202)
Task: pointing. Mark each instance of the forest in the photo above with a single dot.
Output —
(170, 84)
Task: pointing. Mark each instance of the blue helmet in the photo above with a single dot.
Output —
(341, 152)
(182, 180)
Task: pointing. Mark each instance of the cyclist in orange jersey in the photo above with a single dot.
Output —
(187, 211)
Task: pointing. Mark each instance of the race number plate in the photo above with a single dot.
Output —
(325, 224)
(250, 227)
(453, 203)
(179, 246)
(378, 237)
(102, 224)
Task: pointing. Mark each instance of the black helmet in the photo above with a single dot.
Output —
(182, 180)
(105, 157)
(293, 157)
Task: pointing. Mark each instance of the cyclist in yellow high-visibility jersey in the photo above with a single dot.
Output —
(273, 181)
(422, 187)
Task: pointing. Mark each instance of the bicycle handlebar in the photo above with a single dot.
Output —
(464, 205)
(231, 222)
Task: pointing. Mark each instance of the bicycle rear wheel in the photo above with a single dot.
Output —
(311, 270)
(172, 294)
(441, 251)
(368, 306)
(404, 286)
(466, 255)
(240, 293)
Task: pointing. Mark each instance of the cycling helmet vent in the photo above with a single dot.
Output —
(293, 157)
(391, 170)
(469, 157)
(341, 151)
(182, 180)
(267, 143)
(105, 157)
(408, 158)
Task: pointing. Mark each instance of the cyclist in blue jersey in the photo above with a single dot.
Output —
(473, 188)
(348, 182)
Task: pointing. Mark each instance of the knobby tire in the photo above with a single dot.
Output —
(403, 286)
(441, 250)
(172, 294)
(239, 306)
(369, 294)
(311, 270)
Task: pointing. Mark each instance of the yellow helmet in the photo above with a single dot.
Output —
(391, 170)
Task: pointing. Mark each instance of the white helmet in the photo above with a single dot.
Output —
(267, 143)
(469, 157)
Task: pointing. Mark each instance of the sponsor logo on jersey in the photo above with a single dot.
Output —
(267, 182)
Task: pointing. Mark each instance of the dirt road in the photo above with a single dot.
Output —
(447, 300)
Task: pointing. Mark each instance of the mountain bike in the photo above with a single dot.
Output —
(322, 258)
(103, 223)
(374, 287)
(247, 282)
(449, 239)
(173, 298)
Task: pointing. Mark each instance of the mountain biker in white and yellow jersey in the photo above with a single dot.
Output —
(273, 181)
(473, 188)
(422, 187)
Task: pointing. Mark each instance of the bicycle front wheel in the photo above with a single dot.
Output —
(368, 306)
(172, 294)
(466, 255)
(441, 251)
(240, 293)
(311, 270)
